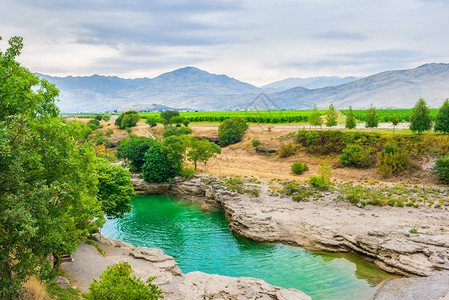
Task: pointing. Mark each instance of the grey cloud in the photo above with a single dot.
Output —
(340, 35)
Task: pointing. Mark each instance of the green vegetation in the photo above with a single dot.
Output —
(420, 119)
(413, 231)
(322, 180)
(351, 121)
(116, 282)
(178, 131)
(442, 168)
(255, 143)
(371, 118)
(99, 249)
(157, 167)
(442, 118)
(355, 156)
(133, 151)
(49, 199)
(315, 117)
(152, 121)
(115, 190)
(231, 131)
(331, 116)
(299, 167)
(287, 150)
(201, 150)
(127, 119)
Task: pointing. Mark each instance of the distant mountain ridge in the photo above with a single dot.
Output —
(309, 83)
(196, 89)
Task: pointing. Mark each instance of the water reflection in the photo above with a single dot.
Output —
(203, 242)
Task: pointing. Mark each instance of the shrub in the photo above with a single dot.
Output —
(312, 137)
(231, 131)
(299, 167)
(152, 122)
(391, 162)
(355, 156)
(287, 150)
(116, 282)
(106, 117)
(134, 150)
(255, 143)
(109, 132)
(98, 117)
(187, 173)
(93, 124)
(322, 180)
(157, 167)
(442, 167)
(170, 130)
(127, 119)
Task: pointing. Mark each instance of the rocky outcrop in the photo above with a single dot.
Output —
(379, 234)
(149, 262)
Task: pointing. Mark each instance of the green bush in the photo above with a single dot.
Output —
(322, 180)
(355, 156)
(392, 162)
(106, 117)
(287, 150)
(255, 143)
(93, 124)
(134, 150)
(299, 167)
(157, 167)
(127, 119)
(109, 132)
(116, 282)
(187, 173)
(231, 131)
(171, 130)
(98, 117)
(152, 122)
(442, 167)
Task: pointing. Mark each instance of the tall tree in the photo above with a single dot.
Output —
(331, 116)
(371, 118)
(167, 115)
(315, 117)
(442, 119)
(48, 186)
(350, 119)
(201, 150)
(395, 121)
(420, 119)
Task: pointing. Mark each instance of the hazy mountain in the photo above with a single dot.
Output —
(199, 90)
(393, 89)
(309, 83)
(100, 93)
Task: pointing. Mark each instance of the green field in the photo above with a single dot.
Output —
(267, 117)
(385, 114)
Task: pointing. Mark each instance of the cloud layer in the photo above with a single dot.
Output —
(254, 41)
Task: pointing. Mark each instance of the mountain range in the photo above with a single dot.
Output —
(194, 89)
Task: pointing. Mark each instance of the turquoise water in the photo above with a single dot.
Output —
(203, 242)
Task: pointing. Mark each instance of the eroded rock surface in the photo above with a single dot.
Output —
(88, 264)
(379, 234)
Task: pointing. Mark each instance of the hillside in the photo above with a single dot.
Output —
(196, 89)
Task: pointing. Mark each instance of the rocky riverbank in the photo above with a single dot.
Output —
(88, 264)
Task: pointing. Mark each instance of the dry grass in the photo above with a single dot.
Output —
(36, 289)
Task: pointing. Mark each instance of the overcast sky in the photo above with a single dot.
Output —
(256, 41)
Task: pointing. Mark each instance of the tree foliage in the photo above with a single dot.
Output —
(48, 185)
(133, 150)
(127, 119)
(201, 150)
(174, 148)
(315, 117)
(231, 131)
(442, 119)
(157, 167)
(167, 115)
(115, 189)
(331, 116)
(420, 119)
(371, 118)
(395, 121)
(351, 121)
(116, 282)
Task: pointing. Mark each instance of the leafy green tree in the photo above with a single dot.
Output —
(127, 119)
(231, 131)
(351, 121)
(420, 119)
(116, 282)
(174, 147)
(157, 167)
(201, 150)
(331, 116)
(115, 189)
(152, 122)
(106, 117)
(48, 186)
(98, 117)
(315, 117)
(179, 131)
(442, 168)
(395, 121)
(167, 115)
(442, 119)
(133, 150)
(185, 121)
(371, 118)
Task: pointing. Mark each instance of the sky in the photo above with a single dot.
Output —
(253, 41)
